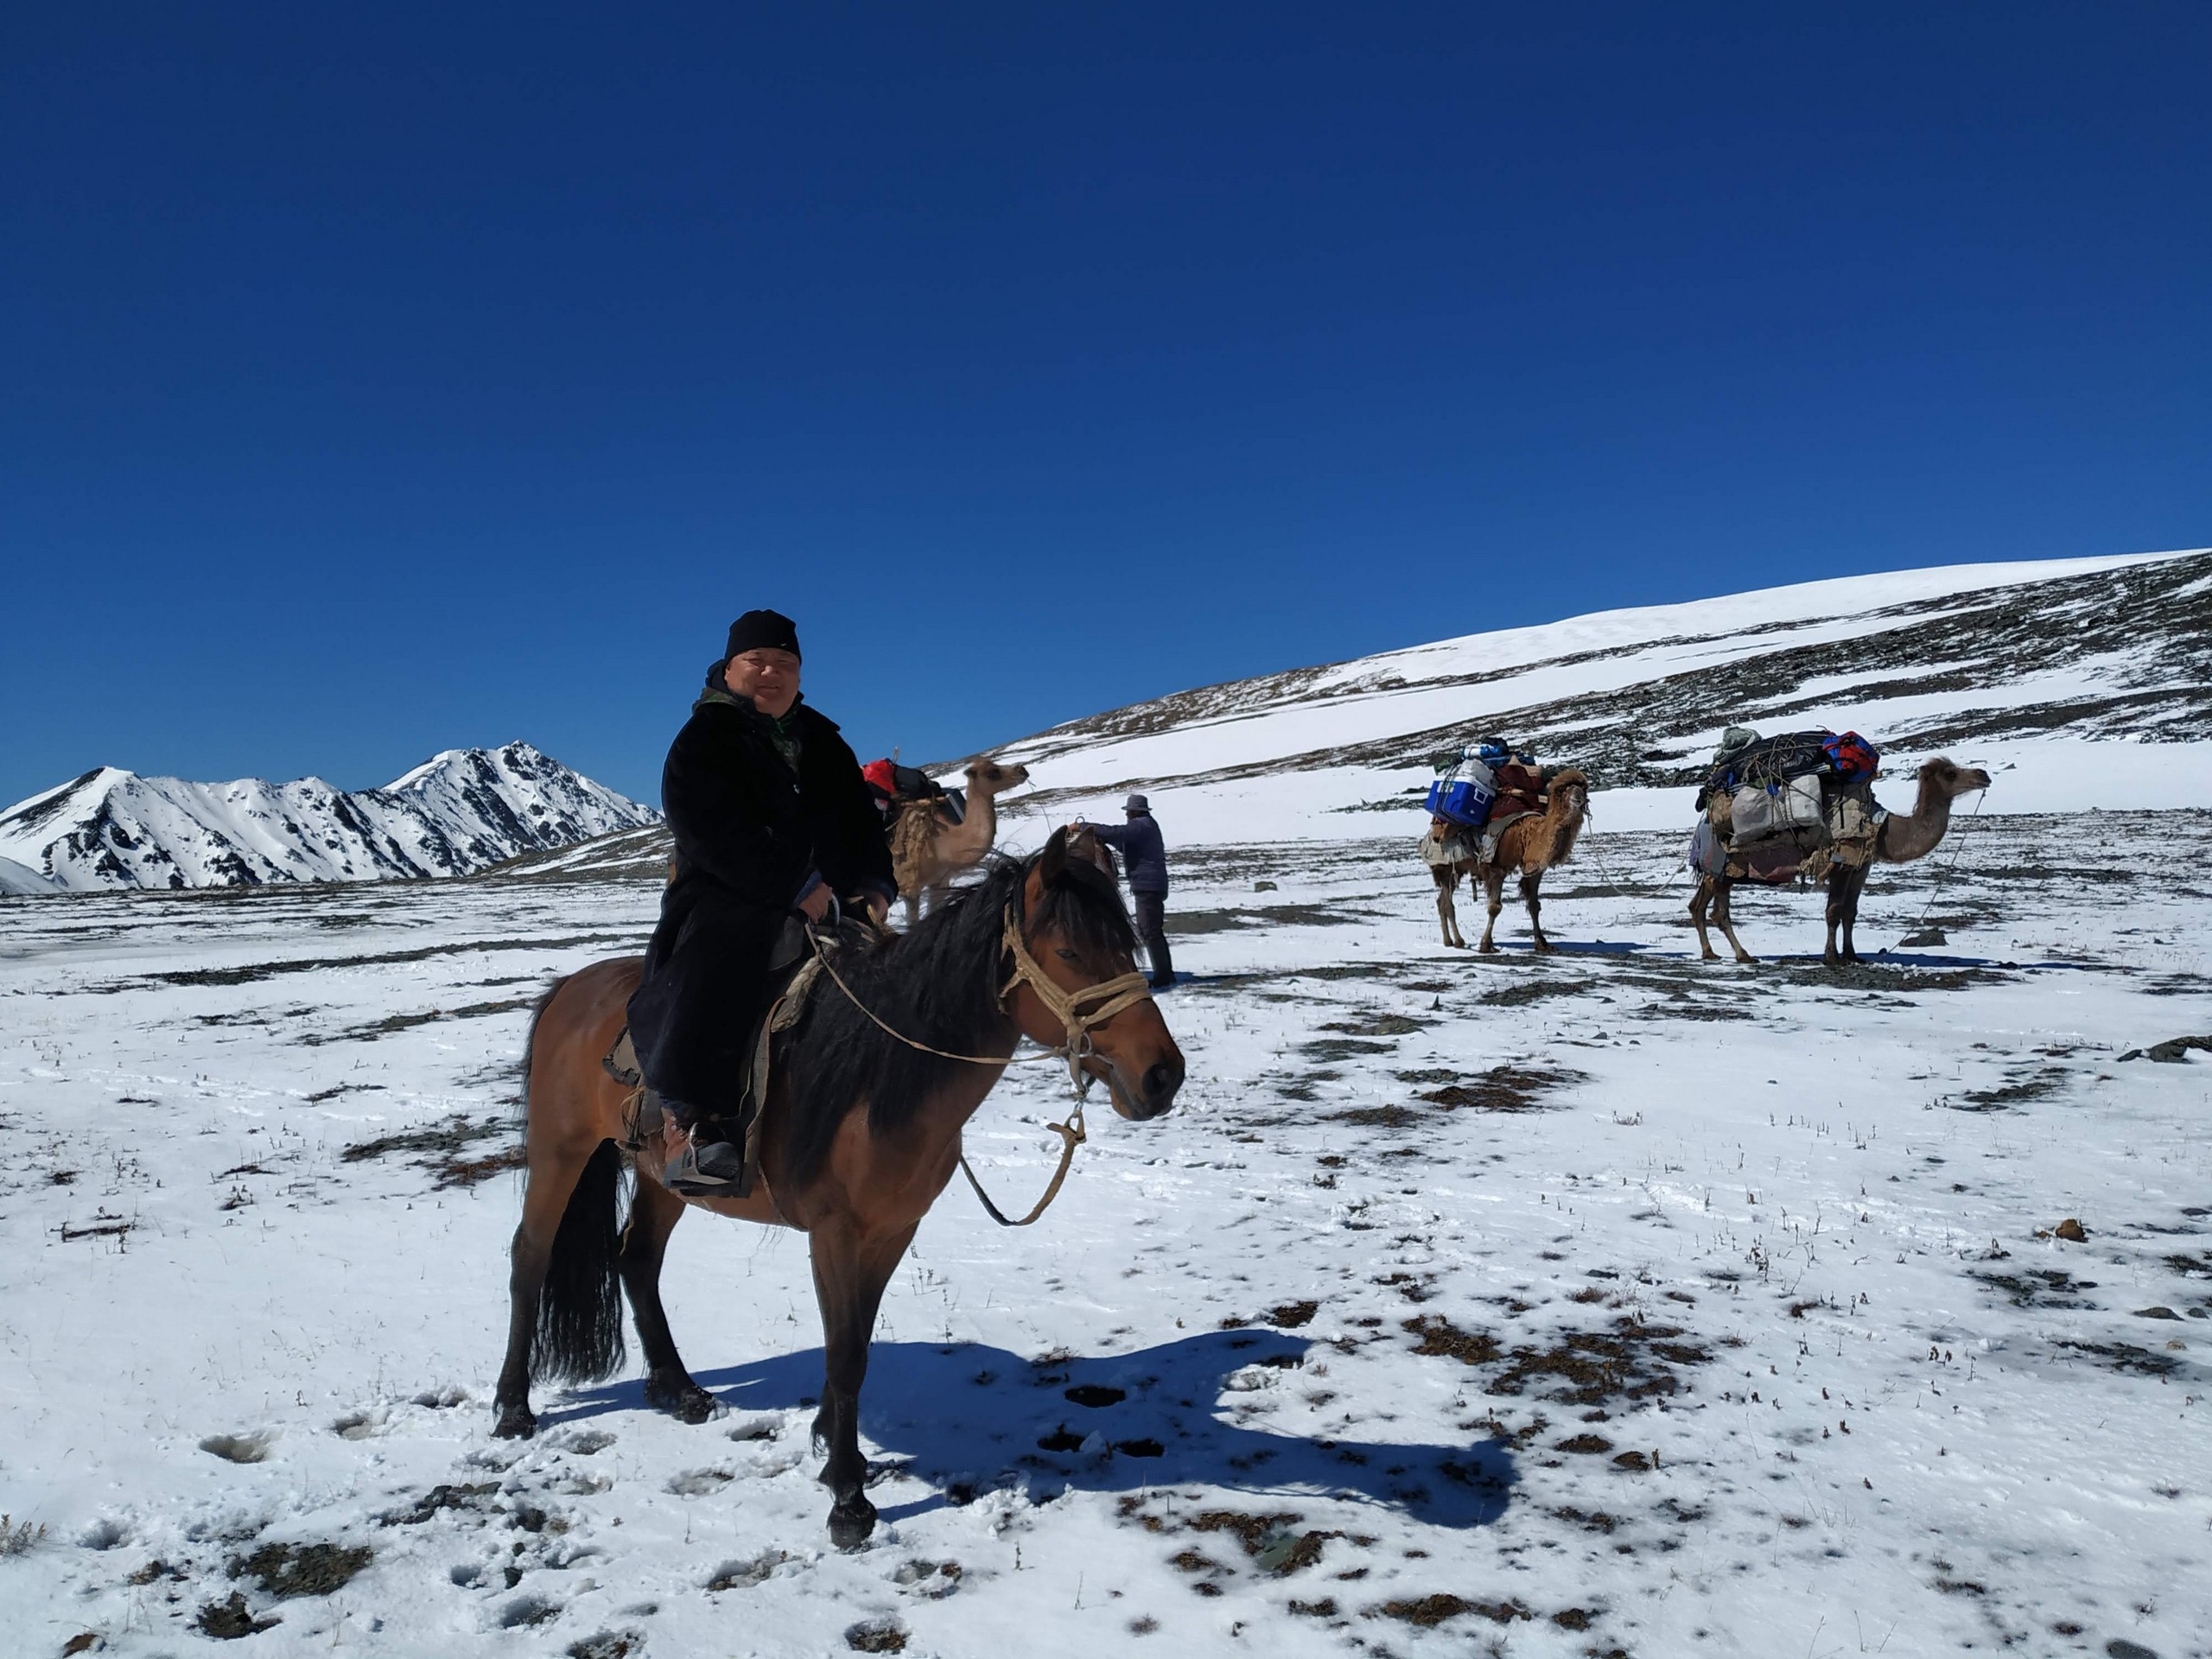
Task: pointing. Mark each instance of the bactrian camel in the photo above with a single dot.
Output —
(1531, 844)
(1899, 840)
(928, 848)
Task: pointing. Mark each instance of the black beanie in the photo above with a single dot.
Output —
(763, 631)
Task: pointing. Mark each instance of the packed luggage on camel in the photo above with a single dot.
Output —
(1495, 811)
(1801, 807)
(936, 833)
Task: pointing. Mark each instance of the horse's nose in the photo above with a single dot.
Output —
(1161, 1080)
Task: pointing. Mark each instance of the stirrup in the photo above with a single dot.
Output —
(720, 1172)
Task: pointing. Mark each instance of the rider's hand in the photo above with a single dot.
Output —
(816, 905)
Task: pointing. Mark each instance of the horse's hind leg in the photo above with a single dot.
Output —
(849, 1275)
(653, 1215)
(552, 1180)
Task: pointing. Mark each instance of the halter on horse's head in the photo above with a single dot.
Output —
(1072, 984)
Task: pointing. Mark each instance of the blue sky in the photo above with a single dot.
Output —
(393, 379)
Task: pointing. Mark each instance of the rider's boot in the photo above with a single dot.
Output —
(709, 1162)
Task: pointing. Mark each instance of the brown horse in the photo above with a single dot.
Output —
(861, 1133)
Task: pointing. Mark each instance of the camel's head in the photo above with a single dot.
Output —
(988, 777)
(1950, 781)
(1571, 784)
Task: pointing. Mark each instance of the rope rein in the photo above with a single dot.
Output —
(1079, 1012)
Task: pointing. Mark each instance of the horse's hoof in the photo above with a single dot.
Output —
(515, 1422)
(851, 1522)
(680, 1398)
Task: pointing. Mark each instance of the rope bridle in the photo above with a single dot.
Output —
(1079, 1012)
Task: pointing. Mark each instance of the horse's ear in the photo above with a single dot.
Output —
(1052, 862)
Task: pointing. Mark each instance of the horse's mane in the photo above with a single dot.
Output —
(937, 983)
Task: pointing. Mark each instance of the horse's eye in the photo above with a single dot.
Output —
(1067, 955)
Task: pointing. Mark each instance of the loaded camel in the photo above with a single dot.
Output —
(1531, 843)
(1900, 840)
(928, 848)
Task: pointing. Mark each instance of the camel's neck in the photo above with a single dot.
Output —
(1905, 839)
(1562, 824)
(978, 829)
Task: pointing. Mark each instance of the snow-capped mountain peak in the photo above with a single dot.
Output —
(459, 811)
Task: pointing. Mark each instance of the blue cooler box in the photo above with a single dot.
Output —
(1465, 796)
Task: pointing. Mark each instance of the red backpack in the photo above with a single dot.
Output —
(1851, 757)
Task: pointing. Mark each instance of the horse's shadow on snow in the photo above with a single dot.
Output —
(965, 1418)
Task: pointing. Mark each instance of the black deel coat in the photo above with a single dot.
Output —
(749, 833)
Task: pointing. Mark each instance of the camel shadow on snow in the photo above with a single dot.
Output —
(966, 1419)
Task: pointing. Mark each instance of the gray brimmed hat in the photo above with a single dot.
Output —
(1136, 803)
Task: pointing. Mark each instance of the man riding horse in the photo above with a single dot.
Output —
(772, 818)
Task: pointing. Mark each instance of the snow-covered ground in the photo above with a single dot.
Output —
(1610, 1303)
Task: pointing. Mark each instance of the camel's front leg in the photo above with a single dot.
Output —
(1529, 886)
(849, 1275)
(1838, 879)
(1447, 914)
(1722, 888)
(1844, 897)
(1493, 881)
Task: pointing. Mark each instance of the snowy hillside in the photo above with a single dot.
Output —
(1607, 1302)
(460, 811)
(2077, 683)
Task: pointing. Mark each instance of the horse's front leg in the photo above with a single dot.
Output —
(849, 1275)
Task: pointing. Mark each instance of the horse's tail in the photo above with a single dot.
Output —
(579, 1338)
(579, 1335)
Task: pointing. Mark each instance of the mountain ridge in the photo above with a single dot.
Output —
(460, 811)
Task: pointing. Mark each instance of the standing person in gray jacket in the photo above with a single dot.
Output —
(1144, 858)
